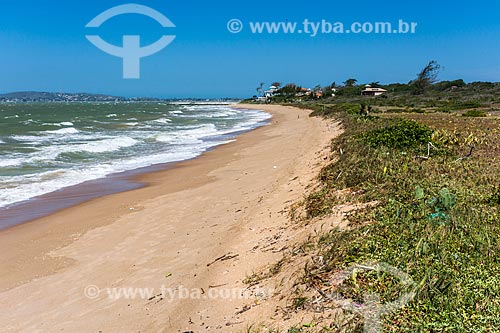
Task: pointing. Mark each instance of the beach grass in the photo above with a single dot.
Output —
(433, 184)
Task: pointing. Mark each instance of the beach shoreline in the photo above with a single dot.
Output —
(184, 217)
(67, 197)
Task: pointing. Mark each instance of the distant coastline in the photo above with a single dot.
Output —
(53, 97)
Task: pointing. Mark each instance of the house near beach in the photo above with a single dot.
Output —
(304, 92)
(271, 92)
(370, 91)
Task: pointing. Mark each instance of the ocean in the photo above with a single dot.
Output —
(48, 147)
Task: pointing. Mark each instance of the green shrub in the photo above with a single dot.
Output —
(444, 109)
(416, 110)
(331, 109)
(474, 113)
(468, 105)
(407, 110)
(350, 108)
(396, 110)
(403, 134)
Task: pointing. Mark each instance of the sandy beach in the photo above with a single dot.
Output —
(203, 225)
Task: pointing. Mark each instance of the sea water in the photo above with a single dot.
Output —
(48, 147)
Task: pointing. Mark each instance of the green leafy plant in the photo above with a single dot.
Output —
(403, 134)
(442, 205)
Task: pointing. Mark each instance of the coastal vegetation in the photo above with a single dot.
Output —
(422, 163)
(435, 217)
(421, 94)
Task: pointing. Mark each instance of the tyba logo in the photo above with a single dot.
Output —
(131, 51)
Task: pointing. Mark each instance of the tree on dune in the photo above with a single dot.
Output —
(426, 77)
(260, 89)
(350, 82)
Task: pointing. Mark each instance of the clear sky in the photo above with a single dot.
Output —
(43, 45)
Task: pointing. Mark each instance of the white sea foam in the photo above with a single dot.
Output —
(64, 123)
(22, 188)
(10, 162)
(29, 139)
(176, 139)
(189, 134)
(111, 115)
(162, 121)
(67, 130)
(107, 145)
(49, 153)
(210, 111)
(56, 137)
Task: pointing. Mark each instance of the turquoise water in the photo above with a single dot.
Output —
(47, 147)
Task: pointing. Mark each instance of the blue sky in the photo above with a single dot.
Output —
(43, 46)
